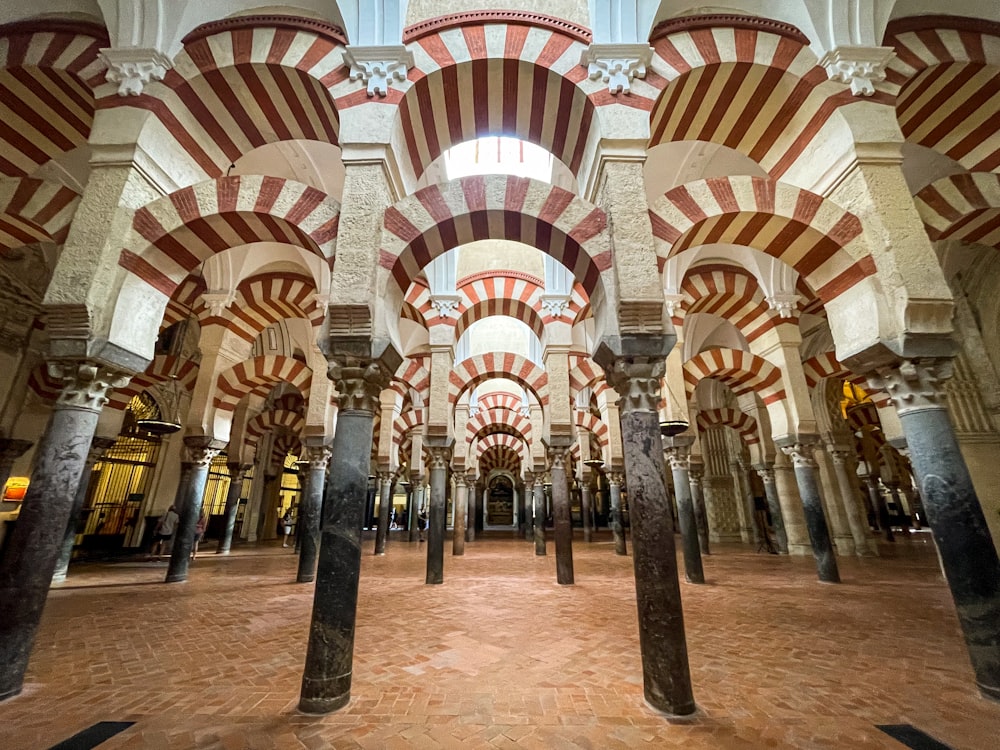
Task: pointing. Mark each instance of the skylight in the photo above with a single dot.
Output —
(499, 155)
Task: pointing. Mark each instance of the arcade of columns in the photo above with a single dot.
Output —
(776, 234)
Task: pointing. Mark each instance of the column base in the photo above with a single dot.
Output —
(175, 579)
(305, 579)
(320, 706)
(681, 711)
(11, 693)
(989, 692)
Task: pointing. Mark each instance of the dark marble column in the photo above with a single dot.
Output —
(34, 545)
(848, 494)
(538, 514)
(200, 451)
(310, 509)
(384, 511)
(416, 503)
(10, 450)
(696, 471)
(954, 513)
(97, 447)
(665, 670)
(529, 511)
(437, 518)
(470, 518)
(617, 527)
(678, 457)
(749, 531)
(326, 679)
(237, 472)
(461, 509)
(585, 509)
(561, 515)
(766, 474)
(801, 453)
(480, 507)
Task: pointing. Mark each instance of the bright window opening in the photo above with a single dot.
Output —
(499, 155)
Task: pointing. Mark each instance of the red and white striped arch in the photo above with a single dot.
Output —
(185, 298)
(405, 423)
(43, 385)
(502, 440)
(34, 210)
(48, 73)
(750, 84)
(498, 420)
(173, 235)
(500, 400)
(963, 207)
(826, 365)
(816, 237)
(244, 82)
(587, 421)
(272, 419)
(730, 293)
(285, 444)
(946, 77)
(412, 375)
(265, 299)
(500, 458)
(583, 373)
(472, 371)
(743, 423)
(496, 73)
(441, 217)
(164, 367)
(258, 376)
(742, 371)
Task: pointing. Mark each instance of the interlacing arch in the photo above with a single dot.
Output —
(743, 423)
(946, 76)
(441, 217)
(33, 210)
(730, 293)
(500, 458)
(587, 421)
(257, 376)
(750, 84)
(163, 368)
(500, 400)
(583, 373)
(405, 423)
(963, 207)
(498, 420)
(244, 82)
(285, 444)
(500, 72)
(292, 421)
(48, 72)
(502, 440)
(184, 300)
(173, 235)
(742, 371)
(265, 299)
(816, 237)
(472, 371)
(412, 375)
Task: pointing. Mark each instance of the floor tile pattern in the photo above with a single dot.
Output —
(501, 656)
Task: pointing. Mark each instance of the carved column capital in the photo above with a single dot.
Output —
(679, 458)
(317, 456)
(459, 479)
(86, 384)
(801, 454)
(470, 479)
(557, 456)
(914, 385)
(617, 64)
(133, 67)
(615, 478)
(237, 470)
(765, 472)
(695, 473)
(200, 450)
(359, 384)
(378, 66)
(440, 457)
(862, 67)
(838, 453)
(637, 381)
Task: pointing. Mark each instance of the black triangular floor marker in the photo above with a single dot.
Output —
(93, 736)
(912, 737)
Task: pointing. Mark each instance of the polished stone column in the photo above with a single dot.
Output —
(585, 508)
(955, 515)
(666, 675)
(310, 509)
(437, 518)
(679, 468)
(11, 450)
(34, 545)
(416, 503)
(696, 471)
(538, 510)
(804, 464)
(97, 447)
(857, 524)
(237, 472)
(326, 679)
(748, 530)
(617, 527)
(470, 518)
(384, 511)
(529, 511)
(200, 450)
(766, 474)
(561, 517)
(461, 509)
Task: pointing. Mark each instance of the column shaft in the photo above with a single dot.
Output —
(539, 516)
(774, 506)
(310, 510)
(437, 521)
(562, 519)
(617, 527)
(236, 473)
(191, 495)
(461, 508)
(416, 503)
(693, 571)
(698, 504)
(812, 505)
(97, 447)
(858, 525)
(585, 503)
(384, 510)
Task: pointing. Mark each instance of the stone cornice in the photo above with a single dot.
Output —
(55, 26)
(926, 23)
(519, 17)
(296, 23)
(728, 20)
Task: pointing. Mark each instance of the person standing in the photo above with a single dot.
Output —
(286, 522)
(199, 534)
(164, 530)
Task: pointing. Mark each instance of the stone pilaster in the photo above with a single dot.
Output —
(679, 460)
(237, 472)
(384, 511)
(666, 675)
(561, 514)
(804, 464)
(967, 553)
(696, 473)
(617, 527)
(437, 517)
(310, 508)
(34, 545)
(461, 507)
(200, 451)
(326, 679)
(97, 447)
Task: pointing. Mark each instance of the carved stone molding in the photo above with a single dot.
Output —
(317, 456)
(784, 303)
(637, 381)
(219, 301)
(695, 474)
(359, 384)
(673, 303)
(200, 450)
(85, 384)
(617, 64)
(913, 385)
(133, 67)
(861, 67)
(378, 66)
(446, 305)
(555, 304)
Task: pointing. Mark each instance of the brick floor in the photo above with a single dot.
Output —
(501, 656)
